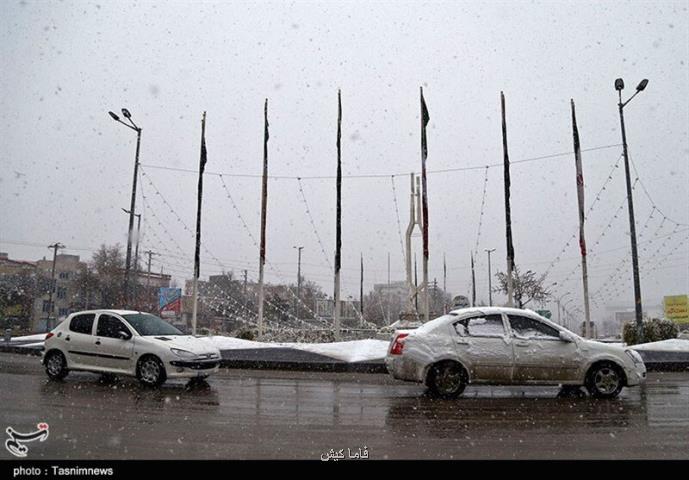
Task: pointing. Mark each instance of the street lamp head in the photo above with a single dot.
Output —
(642, 85)
(126, 113)
(114, 116)
(619, 84)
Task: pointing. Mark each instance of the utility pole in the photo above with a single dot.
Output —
(296, 303)
(246, 301)
(388, 268)
(490, 279)
(444, 284)
(619, 86)
(473, 282)
(361, 289)
(132, 207)
(48, 323)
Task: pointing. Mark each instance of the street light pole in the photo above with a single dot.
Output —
(619, 86)
(296, 306)
(132, 208)
(136, 255)
(490, 280)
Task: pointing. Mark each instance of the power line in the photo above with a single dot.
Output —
(379, 175)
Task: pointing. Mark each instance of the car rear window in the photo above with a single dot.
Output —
(82, 323)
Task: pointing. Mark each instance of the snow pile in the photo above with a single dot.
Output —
(38, 337)
(352, 351)
(672, 345)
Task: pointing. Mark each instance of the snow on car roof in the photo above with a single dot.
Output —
(108, 310)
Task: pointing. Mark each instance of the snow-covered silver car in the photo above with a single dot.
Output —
(508, 346)
(128, 343)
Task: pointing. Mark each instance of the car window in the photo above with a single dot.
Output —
(82, 323)
(481, 326)
(108, 326)
(146, 324)
(531, 328)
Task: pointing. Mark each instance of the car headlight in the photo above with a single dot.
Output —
(183, 353)
(636, 358)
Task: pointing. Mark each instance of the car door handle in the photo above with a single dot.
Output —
(67, 338)
(97, 342)
(522, 344)
(462, 342)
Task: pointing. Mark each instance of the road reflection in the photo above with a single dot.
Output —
(125, 392)
(529, 409)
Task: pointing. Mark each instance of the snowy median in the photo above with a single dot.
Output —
(356, 355)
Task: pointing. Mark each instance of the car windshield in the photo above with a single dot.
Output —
(147, 324)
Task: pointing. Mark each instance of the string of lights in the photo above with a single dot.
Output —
(313, 223)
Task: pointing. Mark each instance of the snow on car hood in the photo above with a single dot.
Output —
(183, 342)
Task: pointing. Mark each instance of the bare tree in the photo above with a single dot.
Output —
(527, 286)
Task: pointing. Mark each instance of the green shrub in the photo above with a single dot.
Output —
(654, 330)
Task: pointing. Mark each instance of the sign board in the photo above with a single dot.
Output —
(545, 313)
(170, 302)
(677, 308)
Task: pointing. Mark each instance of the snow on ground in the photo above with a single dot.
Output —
(352, 351)
(672, 345)
(38, 337)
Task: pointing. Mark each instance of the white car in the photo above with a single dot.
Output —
(128, 343)
(508, 346)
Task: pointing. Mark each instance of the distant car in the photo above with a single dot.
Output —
(507, 346)
(128, 343)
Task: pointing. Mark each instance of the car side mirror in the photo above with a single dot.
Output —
(124, 335)
(566, 336)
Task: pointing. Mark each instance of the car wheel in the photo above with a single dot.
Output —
(150, 371)
(447, 380)
(605, 380)
(56, 365)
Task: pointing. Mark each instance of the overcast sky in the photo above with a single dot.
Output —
(67, 166)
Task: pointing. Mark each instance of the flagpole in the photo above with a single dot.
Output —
(197, 252)
(338, 222)
(264, 202)
(508, 218)
(582, 220)
(424, 194)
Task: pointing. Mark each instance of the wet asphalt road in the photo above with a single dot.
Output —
(249, 414)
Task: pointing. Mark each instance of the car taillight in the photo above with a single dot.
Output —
(49, 334)
(398, 344)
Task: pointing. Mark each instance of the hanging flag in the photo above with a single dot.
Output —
(202, 166)
(424, 122)
(506, 164)
(424, 154)
(580, 181)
